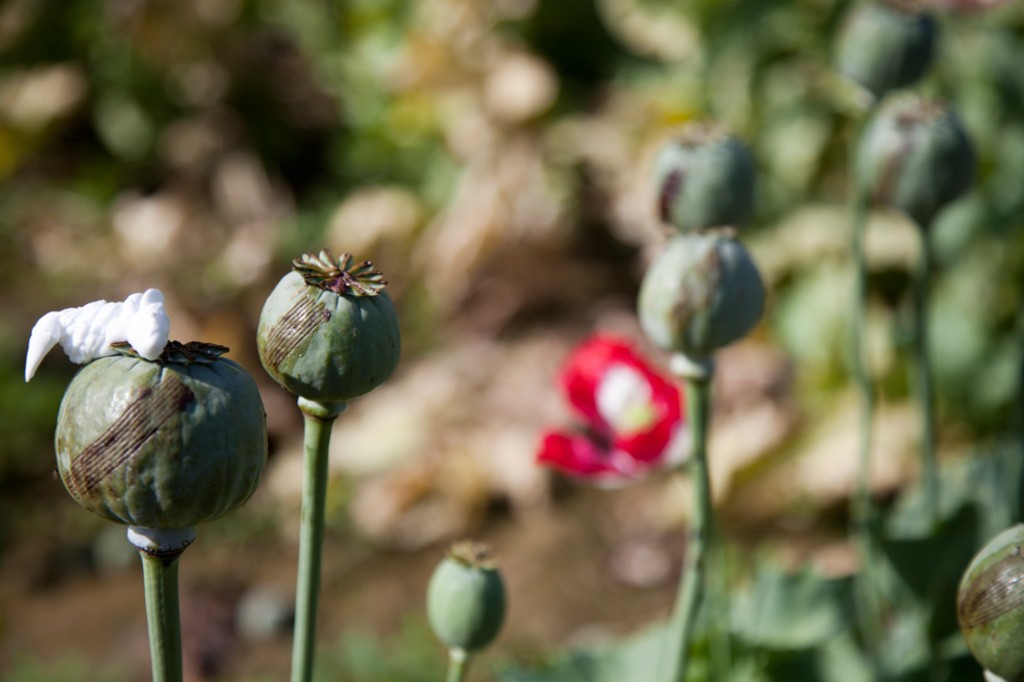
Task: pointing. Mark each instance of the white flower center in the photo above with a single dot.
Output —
(624, 400)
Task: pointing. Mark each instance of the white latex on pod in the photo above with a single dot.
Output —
(86, 333)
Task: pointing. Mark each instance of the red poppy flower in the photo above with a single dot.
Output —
(633, 416)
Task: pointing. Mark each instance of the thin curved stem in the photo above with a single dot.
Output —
(318, 420)
(925, 390)
(458, 665)
(160, 581)
(692, 579)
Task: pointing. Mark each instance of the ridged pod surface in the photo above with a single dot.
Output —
(704, 178)
(990, 605)
(328, 331)
(916, 157)
(701, 293)
(167, 443)
(885, 45)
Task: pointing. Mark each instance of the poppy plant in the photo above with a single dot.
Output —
(633, 416)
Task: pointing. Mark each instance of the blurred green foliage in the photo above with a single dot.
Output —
(781, 624)
(411, 654)
(61, 669)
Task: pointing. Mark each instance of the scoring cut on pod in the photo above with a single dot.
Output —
(328, 331)
(916, 157)
(166, 443)
(990, 605)
(704, 178)
(701, 293)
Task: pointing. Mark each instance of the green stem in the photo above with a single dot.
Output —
(718, 607)
(861, 366)
(160, 549)
(1014, 482)
(318, 420)
(925, 391)
(867, 584)
(458, 665)
(859, 356)
(862, 509)
(160, 577)
(692, 578)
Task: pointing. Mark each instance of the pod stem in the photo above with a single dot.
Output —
(160, 551)
(861, 510)
(867, 582)
(160, 577)
(861, 507)
(692, 578)
(458, 664)
(318, 420)
(925, 391)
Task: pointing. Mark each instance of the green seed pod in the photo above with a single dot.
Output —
(167, 443)
(704, 178)
(886, 45)
(328, 331)
(990, 605)
(466, 598)
(701, 293)
(916, 157)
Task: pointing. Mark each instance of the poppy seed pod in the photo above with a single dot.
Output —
(886, 45)
(990, 605)
(701, 293)
(165, 443)
(328, 331)
(704, 178)
(466, 598)
(916, 157)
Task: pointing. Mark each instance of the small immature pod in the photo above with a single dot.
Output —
(328, 331)
(916, 157)
(466, 598)
(704, 178)
(886, 44)
(166, 443)
(990, 605)
(702, 292)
